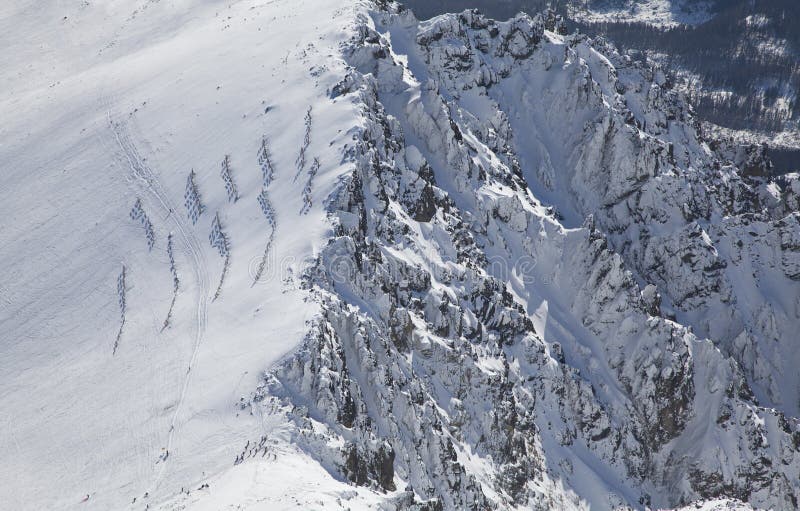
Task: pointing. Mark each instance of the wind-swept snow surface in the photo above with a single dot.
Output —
(264, 255)
(107, 108)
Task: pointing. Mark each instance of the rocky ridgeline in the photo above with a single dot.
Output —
(630, 155)
(529, 254)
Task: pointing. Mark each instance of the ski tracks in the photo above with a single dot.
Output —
(146, 179)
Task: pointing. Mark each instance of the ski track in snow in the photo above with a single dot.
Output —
(148, 180)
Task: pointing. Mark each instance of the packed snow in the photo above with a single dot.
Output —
(107, 110)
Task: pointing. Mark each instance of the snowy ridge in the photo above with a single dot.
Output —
(479, 348)
(463, 265)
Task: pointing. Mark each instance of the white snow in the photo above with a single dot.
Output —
(167, 168)
(286, 478)
(106, 103)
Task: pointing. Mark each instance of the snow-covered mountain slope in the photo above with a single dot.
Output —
(106, 104)
(280, 254)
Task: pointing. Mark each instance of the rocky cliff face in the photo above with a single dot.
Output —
(545, 289)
